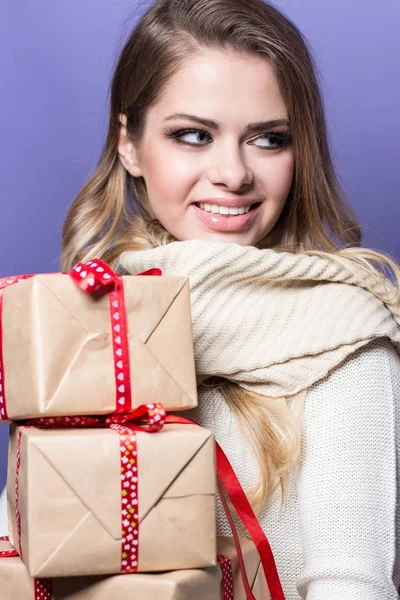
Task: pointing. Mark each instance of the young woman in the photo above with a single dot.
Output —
(217, 166)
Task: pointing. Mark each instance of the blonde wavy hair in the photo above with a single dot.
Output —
(112, 212)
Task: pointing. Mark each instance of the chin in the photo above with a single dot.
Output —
(234, 238)
(246, 238)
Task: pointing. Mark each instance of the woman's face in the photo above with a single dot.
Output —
(223, 173)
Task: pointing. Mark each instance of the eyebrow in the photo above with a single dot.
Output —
(251, 128)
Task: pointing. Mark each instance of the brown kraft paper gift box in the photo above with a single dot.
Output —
(70, 500)
(17, 584)
(57, 346)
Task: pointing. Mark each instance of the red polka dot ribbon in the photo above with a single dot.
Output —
(227, 577)
(7, 553)
(149, 418)
(42, 587)
(93, 277)
(17, 511)
(129, 500)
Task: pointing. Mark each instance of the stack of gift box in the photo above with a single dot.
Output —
(109, 496)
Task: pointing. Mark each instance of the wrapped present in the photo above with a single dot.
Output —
(222, 582)
(109, 500)
(93, 342)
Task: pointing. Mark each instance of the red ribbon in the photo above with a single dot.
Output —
(43, 589)
(227, 577)
(7, 553)
(147, 417)
(92, 277)
(17, 511)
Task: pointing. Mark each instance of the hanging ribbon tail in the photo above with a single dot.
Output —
(243, 508)
(229, 483)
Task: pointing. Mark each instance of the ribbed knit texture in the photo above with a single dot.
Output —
(273, 322)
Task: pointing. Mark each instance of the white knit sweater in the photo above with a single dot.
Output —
(335, 536)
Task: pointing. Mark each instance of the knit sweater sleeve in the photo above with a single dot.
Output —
(347, 484)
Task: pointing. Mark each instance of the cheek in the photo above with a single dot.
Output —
(278, 175)
(169, 176)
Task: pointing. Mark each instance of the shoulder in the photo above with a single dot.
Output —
(375, 365)
(360, 398)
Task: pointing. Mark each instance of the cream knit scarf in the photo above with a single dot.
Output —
(273, 322)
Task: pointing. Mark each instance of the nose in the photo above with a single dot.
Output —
(228, 168)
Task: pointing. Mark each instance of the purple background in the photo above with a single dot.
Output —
(56, 58)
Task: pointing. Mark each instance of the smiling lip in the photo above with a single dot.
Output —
(227, 223)
(233, 203)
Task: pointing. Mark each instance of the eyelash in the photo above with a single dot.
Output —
(284, 137)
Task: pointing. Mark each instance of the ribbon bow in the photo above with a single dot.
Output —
(96, 274)
(147, 417)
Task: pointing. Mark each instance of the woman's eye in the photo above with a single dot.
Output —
(191, 136)
(274, 140)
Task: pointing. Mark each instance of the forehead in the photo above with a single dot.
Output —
(225, 86)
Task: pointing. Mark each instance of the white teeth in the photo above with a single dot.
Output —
(224, 210)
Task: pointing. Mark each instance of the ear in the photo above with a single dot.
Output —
(126, 149)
